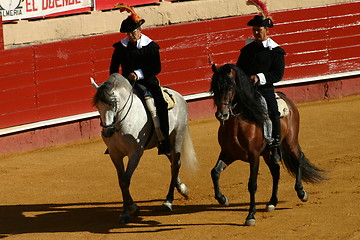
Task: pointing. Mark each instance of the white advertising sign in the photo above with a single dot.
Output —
(23, 9)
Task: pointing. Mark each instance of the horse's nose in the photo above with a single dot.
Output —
(108, 132)
(222, 116)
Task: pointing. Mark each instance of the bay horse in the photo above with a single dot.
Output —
(127, 130)
(241, 115)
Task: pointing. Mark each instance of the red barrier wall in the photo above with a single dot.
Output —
(51, 80)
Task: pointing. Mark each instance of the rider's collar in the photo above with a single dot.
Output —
(142, 42)
(269, 43)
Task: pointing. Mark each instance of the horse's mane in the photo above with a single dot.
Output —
(104, 92)
(248, 100)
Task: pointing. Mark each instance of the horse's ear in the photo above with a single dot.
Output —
(214, 69)
(93, 83)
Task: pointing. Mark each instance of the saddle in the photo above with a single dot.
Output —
(169, 98)
(282, 106)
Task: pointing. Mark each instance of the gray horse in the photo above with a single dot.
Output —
(127, 130)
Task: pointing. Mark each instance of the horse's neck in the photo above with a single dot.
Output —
(131, 108)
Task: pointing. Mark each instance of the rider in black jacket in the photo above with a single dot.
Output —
(263, 61)
(139, 59)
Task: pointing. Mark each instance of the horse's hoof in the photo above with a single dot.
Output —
(134, 210)
(183, 190)
(223, 200)
(124, 219)
(250, 222)
(167, 205)
(270, 208)
(305, 198)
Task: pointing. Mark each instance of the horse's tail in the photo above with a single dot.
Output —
(188, 155)
(309, 172)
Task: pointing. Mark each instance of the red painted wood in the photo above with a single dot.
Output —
(191, 87)
(344, 65)
(238, 23)
(181, 53)
(223, 58)
(63, 71)
(17, 105)
(185, 63)
(343, 9)
(16, 67)
(344, 52)
(305, 14)
(177, 31)
(16, 55)
(19, 80)
(18, 118)
(306, 70)
(54, 77)
(65, 109)
(63, 48)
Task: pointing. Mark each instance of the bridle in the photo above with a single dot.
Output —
(117, 112)
(231, 106)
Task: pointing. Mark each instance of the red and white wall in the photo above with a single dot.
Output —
(51, 81)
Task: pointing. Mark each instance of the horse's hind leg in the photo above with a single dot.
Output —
(175, 167)
(220, 166)
(294, 156)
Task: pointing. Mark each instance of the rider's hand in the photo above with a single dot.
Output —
(254, 79)
(132, 77)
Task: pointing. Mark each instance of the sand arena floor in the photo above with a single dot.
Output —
(71, 192)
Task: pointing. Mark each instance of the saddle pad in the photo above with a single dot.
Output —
(168, 98)
(282, 106)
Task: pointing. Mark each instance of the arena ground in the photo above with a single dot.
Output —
(71, 192)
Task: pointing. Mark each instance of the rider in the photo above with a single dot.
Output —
(139, 59)
(263, 61)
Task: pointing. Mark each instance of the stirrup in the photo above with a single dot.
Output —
(275, 154)
(164, 147)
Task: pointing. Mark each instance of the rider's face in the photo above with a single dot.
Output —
(260, 33)
(134, 35)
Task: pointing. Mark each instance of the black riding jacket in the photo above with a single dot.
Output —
(255, 58)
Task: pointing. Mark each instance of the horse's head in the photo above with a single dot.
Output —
(106, 101)
(223, 87)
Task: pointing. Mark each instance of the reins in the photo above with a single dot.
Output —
(115, 122)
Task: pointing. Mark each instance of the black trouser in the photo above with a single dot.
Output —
(161, 105)
(274, 114)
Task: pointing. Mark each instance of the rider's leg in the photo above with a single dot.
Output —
(161, 107)
(149, 100)
(276, 129)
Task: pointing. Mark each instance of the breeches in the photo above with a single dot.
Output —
(160, 103)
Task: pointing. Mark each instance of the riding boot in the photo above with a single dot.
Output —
(164, 145)
(275, 145)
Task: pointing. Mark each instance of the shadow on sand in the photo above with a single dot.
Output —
(98, 217)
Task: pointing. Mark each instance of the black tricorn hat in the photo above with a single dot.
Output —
(132, 22)
(261, 21)
(129, 25)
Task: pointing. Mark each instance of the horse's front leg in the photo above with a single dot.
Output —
(215, 176)
(124, 178)
(175, 181)
(275, 173)
(252, 187)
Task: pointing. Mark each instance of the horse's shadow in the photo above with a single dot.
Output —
(99, 217)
